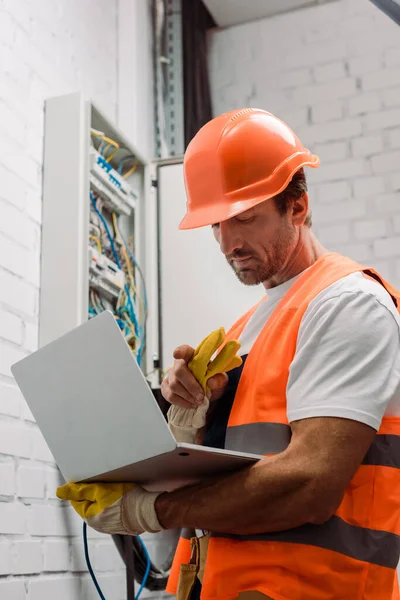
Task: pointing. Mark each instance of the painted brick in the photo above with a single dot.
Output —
(315, 54)
(7, 479)
(15, 439)
(339, 211)
(13, 518)
(11, 124)
(381, 79)
(294, 78)
(331, 152)
(368, 186)
(364, 64)
(30, 482)
(395, 181)
(386, 162)
(367, 145)
(348, 168)
(391, 97)
(394, 138)
(323, 92)
(12, 590)
(9, 355)
(295, 117)
(359, 252)
(330, 132)
(31, 333)
(387, 247)
(10, 400)
(328, 111)
(364, 103)
(368, 230)
(338, 234)
(5, 555)
(62, 588)
(78, 562)
(392, 57)
(10, 327)
(387, 203)
(56, 555)
(16, 225)
(53, 480)
(396, 223)
(107, 557)
(28, 557)
(17, 294)
(12, 256)
(13, 189)
(383, 119)
(330, 72)
(337, 190)
(48, 520)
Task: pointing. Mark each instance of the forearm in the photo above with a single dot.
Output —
(272, 495)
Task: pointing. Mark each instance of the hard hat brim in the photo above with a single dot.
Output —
(210, 215)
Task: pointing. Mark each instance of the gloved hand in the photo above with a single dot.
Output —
(184, 422)
(116, 508)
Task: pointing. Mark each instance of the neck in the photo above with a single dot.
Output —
(304, 254)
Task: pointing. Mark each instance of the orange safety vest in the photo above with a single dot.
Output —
(354, 555)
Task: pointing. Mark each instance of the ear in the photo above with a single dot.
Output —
(300, 210)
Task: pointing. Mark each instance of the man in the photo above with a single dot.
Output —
(317, 393)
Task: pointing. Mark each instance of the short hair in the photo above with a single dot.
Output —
(294, 190)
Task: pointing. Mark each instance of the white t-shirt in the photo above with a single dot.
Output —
(347, 360)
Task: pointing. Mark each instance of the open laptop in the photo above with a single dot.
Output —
(100, 419)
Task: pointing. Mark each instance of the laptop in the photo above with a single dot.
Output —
(100, 419)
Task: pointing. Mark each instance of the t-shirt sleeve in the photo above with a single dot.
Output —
(347, 360)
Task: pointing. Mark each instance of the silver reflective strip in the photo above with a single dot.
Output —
(368, 545)
(385, 451)
(258, 438)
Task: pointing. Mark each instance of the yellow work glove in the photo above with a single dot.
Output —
(201, 365)
(185, 422)
(123, 508)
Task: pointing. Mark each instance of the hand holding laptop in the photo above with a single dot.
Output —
(127, 508)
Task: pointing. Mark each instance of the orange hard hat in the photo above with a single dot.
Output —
(236, 161)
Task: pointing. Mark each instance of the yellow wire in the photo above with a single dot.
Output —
(98, 243)
(131, 170)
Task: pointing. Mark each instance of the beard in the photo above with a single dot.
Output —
(262, 268)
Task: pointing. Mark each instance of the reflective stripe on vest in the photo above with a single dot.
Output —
(272, 438)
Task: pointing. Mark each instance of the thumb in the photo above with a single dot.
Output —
(183, 353)
(217, 385)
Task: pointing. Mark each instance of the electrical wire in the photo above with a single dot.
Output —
(131, 170)
(123, 159)
(140, 351)
(89, 566)
(98, 243)
(129, 300)
(148, 567)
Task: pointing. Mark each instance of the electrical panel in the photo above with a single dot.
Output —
(93, 224)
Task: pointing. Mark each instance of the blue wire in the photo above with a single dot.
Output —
(148, 567)
(89, 566)
(144, 285)
(131, 310)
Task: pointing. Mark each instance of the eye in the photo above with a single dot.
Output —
(245, 218)
(215, 226)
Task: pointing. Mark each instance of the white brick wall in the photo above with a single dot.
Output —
(333, 73)
(48, 49)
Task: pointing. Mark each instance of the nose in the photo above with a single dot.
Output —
(228, 237)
